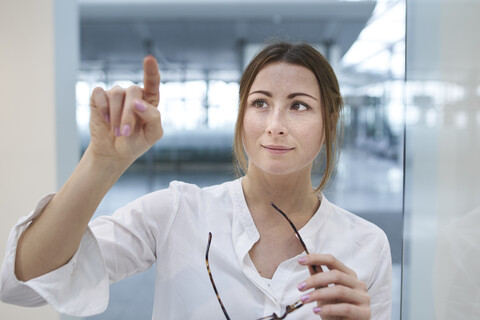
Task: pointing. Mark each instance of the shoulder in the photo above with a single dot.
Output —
(193, 194)
(351, 226)
(188, 189)
(359, 244)
(179, 193)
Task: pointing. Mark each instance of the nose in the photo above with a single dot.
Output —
(276, 124)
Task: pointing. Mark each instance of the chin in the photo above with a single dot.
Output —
(280, 169)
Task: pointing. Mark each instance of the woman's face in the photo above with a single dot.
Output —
(283, 123)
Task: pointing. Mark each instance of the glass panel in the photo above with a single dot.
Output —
(442, 186)
(201, 106)
(369, 179)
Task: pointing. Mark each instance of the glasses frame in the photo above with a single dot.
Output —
(290, 308)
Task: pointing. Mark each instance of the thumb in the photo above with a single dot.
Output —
(150, 115)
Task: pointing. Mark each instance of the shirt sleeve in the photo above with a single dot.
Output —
(76, 288)
(130, 238)
(112, 248)
(380, 288)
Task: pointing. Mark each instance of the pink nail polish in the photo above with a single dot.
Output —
(302, 259)
(140, 106)
(301, 286)
(126, 130)
(305, 297)
(317, 309)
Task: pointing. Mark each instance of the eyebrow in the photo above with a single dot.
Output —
(290, 96)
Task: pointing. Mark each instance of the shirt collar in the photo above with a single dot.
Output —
(245, 233)
(310, 231)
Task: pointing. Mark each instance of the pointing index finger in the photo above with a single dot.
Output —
(151, 80)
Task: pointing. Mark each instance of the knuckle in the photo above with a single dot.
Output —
(329, 258)
(368, 299)
(152, 98)
(341, 291)
(97, 90)
(330, 309)
(156, 134)
(335, 276)
(134, 90)
(349, 310)
(353, 274)
(317, 277)
(363, 285)
(116, 91)
(96, 98)
(127, 112)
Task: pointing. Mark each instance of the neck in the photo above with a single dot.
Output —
(292, 193)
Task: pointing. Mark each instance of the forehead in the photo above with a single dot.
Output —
(286, 76)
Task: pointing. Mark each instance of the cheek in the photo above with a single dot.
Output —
(252, 126)
(247, 133)
(314, 137)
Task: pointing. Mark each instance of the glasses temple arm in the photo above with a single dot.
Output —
(296, 232)
(211, 277)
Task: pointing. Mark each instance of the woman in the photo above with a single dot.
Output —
(289, 107)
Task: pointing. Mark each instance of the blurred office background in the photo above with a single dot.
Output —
(412, 117)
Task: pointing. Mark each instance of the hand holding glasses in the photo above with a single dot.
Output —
(346, 299)
(288, 309)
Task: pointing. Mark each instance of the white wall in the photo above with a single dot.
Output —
(442, 200)
(29, 121)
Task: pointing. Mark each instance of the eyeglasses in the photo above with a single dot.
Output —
(274, 316)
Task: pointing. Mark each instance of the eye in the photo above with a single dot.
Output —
(299, 106)
(259, 103)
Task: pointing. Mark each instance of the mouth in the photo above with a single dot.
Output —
(277, 148)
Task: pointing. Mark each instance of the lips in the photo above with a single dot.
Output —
(277, 149)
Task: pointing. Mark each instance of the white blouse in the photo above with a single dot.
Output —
(170, 228)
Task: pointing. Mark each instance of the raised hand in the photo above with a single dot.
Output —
(338, 292)
(125, 123)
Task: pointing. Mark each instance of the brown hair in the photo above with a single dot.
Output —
(303, 55)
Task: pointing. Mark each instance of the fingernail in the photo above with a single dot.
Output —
(317, 309)
(126, 130)
(305, 297)
(107, 117)
(302, 259)
(140, 106)
(301, 286)
(117, 132)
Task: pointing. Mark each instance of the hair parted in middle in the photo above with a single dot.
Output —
(305, 55)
